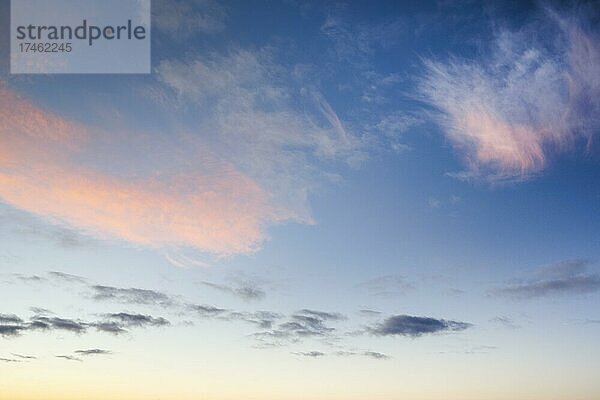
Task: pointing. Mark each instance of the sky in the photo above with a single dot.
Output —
(309, 200)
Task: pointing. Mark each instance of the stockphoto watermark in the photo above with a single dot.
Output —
(80, 36)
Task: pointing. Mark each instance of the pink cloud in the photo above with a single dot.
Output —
(46, 169)
(500, 144)
(512, 112)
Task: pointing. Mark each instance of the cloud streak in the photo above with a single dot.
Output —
(407, 325)
(69, 358)
(137, 320)
(131, 295)
(564, 278)
(113, 323)
(91, 352)
(246, 290)
(310, 354)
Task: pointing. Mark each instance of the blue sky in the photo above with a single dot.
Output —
(309, 200)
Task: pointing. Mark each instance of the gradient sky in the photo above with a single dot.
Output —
(309, 200)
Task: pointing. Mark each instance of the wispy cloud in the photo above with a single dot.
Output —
(21, 223)
(356, 43)
(91, 352)
(40, 311)
(29, 278)
(567, 277)
(376, 355)
(301, 325)
(111, 327)
(131, 295)
(24, 357)
(139, 320)
(311, 354)
(369, 313)
(407, 325)
(505, 322)
(205, 310)
(275, 129)
(367, 353)
(262, 319)
(67, 277)
(344, 353)
(245, 290)
(69, 358)
(55, 323)
(512, 110)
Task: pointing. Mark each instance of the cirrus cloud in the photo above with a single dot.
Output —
(512, 110)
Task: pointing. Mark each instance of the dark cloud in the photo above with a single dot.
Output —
(406, 325)
(131, 295)
(114, 323)
(9, 360)
(55, 323)
(24, 357)
(312, 354)
(10, 319)
(91, 352)
(245, 290)
(567, 277)
(206, 311)
(11, 330)
(11, 325)
(70, 358)
(117, 323)
(110, 327)
(137, 320)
